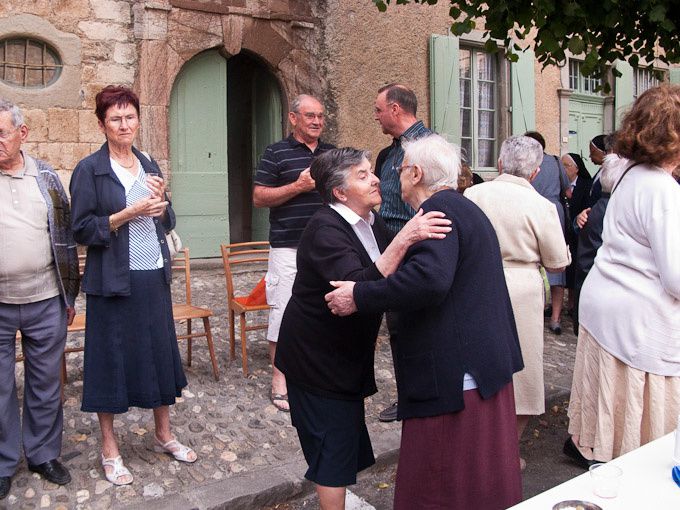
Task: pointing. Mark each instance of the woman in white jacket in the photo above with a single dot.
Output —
(626, 386)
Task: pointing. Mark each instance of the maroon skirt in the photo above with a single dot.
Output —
(463, 460)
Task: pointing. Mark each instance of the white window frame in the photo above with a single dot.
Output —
(501, 103)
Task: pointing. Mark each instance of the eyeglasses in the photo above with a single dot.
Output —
(117, 121)
(403, 167)
(4, 135)
(311, 116)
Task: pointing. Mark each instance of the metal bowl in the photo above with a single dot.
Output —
(576, 504)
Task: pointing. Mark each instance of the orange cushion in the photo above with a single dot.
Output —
(257, 296)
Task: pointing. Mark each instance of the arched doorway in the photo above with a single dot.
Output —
(223, 113)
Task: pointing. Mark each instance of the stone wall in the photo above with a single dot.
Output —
(143, 44)
(95, 41)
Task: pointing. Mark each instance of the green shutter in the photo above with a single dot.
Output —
(445, 87)
(623, 90)
(674, 74)
(523, 93)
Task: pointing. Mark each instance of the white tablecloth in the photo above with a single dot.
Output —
(646, 483)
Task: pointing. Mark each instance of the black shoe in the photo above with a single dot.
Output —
(389, 414)
(5, 484)
(555, 328)
(52, 471)
(571, 451)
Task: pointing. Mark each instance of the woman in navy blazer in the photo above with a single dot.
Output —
(121, 213)
(328, 360)
(458, 347)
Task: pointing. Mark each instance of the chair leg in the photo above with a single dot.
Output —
(64, 376)
(211, 348)
(189, 332)
(232, 335)
(244, 353)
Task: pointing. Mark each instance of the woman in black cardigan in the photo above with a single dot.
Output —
(328, 360)
(457, 348)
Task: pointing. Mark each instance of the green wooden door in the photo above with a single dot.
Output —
(198, 154)
(586, 120)
(267, 128)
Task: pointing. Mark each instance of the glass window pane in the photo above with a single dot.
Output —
(465, 93)
(465, 63)
(486, 69)
(466, 150)
(486, 127)
(466, 122)
(485, 153)
(487, 95)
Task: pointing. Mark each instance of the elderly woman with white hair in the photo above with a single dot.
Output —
(457, 347)
(530, 235)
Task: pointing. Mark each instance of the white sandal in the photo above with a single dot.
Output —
(175, 448)
(119, 470)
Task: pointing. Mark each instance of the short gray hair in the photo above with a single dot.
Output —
(520, 156)
(297, 101)
(14, 110)
(612, 168)
(330, 170)
(439, 160)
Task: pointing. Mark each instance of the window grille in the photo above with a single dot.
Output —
(28, 63)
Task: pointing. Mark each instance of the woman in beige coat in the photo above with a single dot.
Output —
(530, 235)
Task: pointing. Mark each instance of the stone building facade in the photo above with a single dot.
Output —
(215, 77)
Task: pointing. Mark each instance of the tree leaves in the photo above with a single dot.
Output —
(600, 30)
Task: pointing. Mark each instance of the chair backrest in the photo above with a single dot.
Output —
(182, 263)
(240, 254)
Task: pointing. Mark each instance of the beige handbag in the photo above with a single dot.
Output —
(174, 243)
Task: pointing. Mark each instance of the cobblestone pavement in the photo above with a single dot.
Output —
(245, 446)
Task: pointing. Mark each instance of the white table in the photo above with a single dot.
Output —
(646, 483)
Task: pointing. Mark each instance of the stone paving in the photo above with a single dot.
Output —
(243, 442)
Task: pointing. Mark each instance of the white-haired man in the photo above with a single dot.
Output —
(529, 234)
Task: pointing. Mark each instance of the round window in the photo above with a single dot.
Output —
(28, 63)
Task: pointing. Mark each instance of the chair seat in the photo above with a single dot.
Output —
(184, 311)
(240, 307)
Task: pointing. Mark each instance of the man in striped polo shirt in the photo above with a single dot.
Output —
(283, 184)
(395, 110)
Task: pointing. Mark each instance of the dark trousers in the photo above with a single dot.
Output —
(43, 334)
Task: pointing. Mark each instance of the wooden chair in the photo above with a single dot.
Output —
(242, 255)
(188, 312)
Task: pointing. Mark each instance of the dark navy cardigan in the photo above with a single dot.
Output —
(454, 310)
(325, 354)
(96, 193)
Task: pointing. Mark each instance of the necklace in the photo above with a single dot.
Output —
(127, 167)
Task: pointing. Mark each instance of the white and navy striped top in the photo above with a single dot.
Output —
(145, 251)
(281, 164)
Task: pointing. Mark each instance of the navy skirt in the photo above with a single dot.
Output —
(333, 436)
(131, 353)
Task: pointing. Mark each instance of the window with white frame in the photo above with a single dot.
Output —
(479, 106)
(582, 84)
(643, 79)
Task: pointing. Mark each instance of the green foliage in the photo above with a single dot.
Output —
(601, 30)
